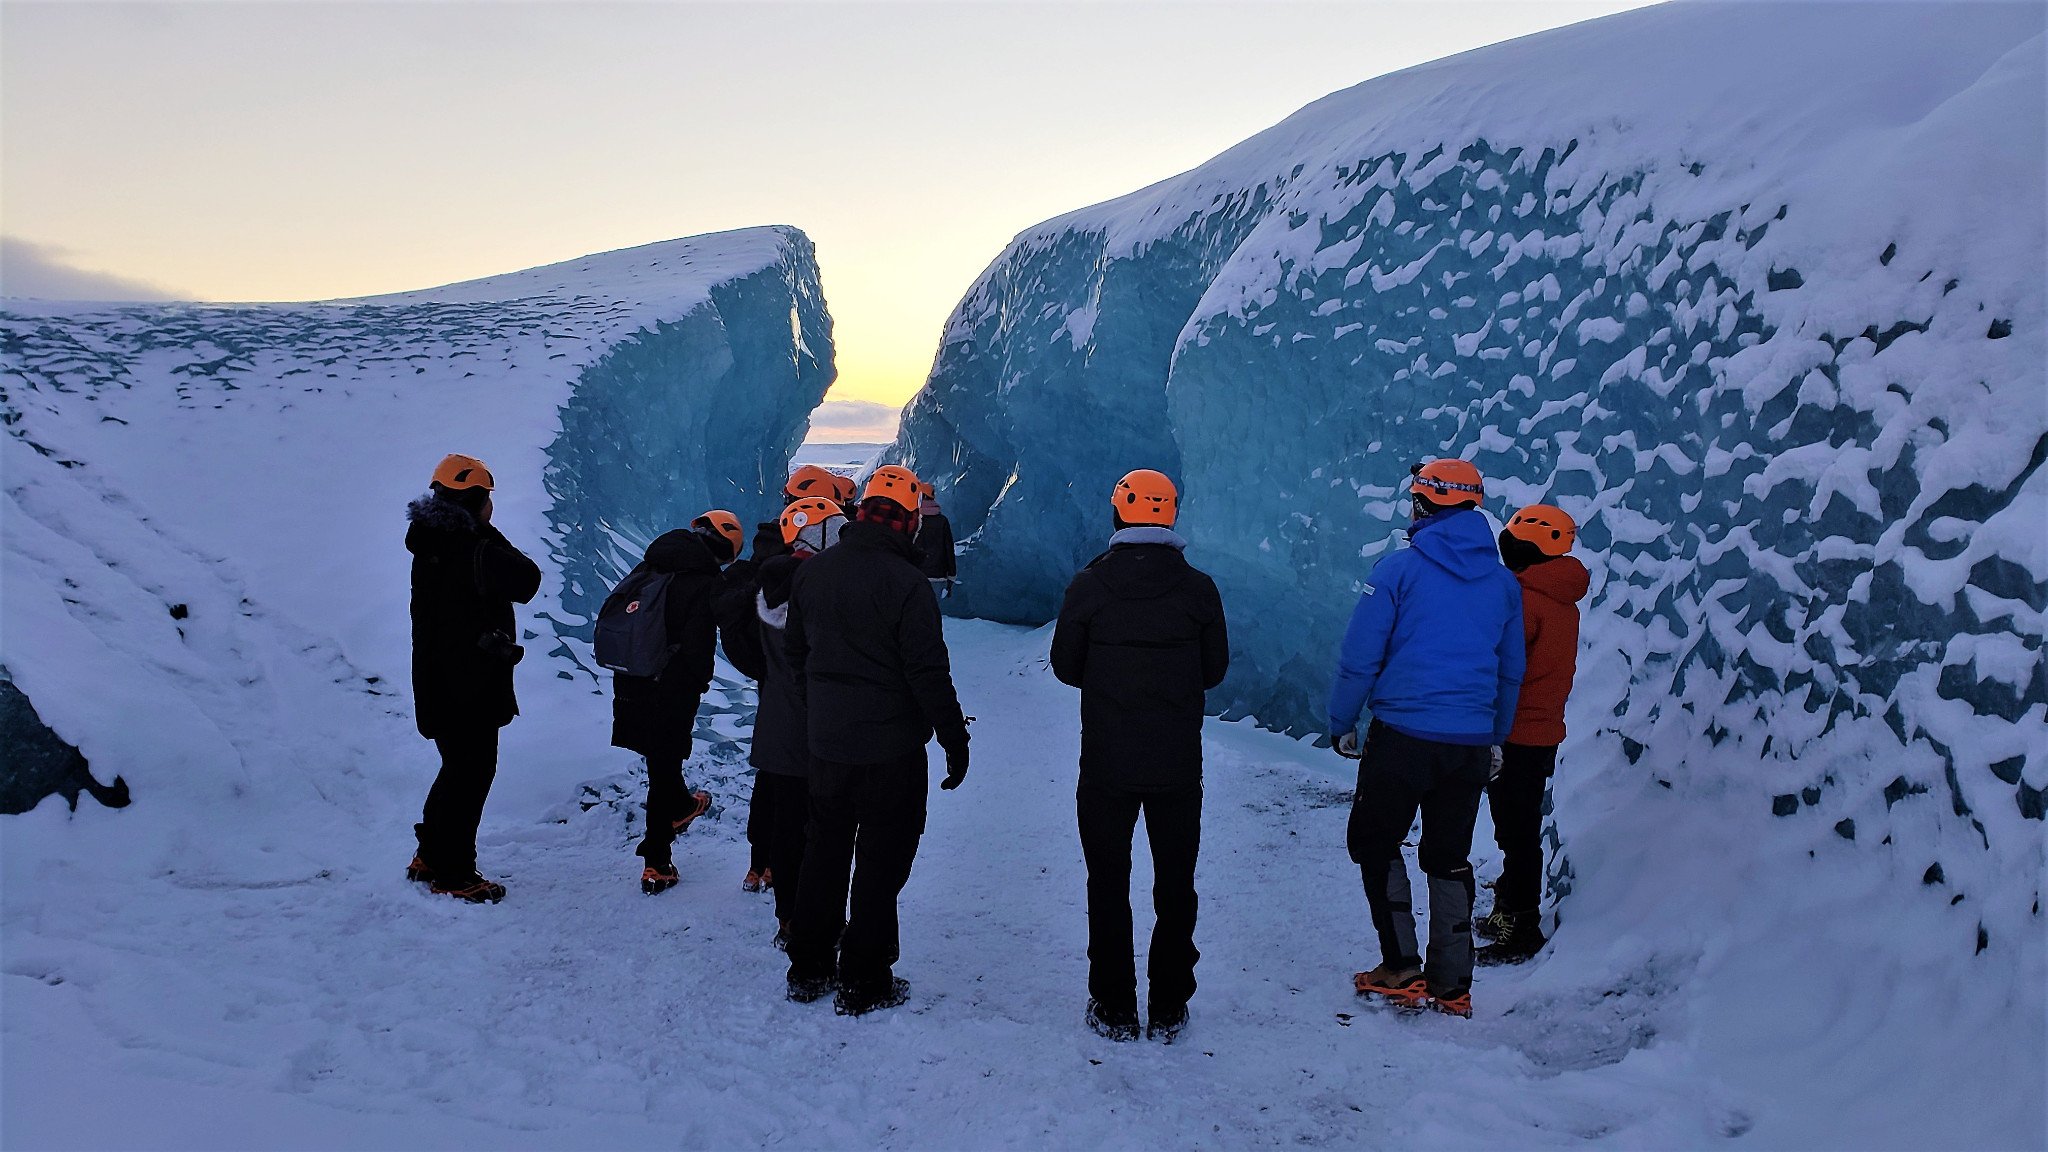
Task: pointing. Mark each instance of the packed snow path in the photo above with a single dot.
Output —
(345, 1007)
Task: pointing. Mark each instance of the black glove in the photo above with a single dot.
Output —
(768, 540)
(955, 744)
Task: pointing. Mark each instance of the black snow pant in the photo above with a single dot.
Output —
(1516, 800)
(455, 804)
(789, 806)
(668, 800)
(865, 823)
(760, 823)
(1173, 823)
(1400, 774)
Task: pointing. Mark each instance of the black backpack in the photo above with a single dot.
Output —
(632, 627)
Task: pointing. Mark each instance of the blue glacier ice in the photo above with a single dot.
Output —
(1754, 293)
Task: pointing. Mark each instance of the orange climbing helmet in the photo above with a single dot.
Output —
(725, 524)
(1146, 497)
(456, 472)
(1550, 528)
(1448, 482)
(896, 482)
(810, 480)
(806, 512)
(843, 488)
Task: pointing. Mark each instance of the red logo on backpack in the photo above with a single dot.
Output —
(633, 607)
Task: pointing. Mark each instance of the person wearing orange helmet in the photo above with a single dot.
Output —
(1141, 634)
(1535, 546)
(657, 632)
(1435, 651)
(465, 578)
(780, 749)
(866, 644)
(935, 541)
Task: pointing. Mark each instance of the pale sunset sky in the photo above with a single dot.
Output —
(306, 150)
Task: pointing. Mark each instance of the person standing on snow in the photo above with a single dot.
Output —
(935, 540)
(658, 679)
(781, 752)
(1534, 547)
(865, 643)
(1141, 634)
(1435, 650)
(465, 578)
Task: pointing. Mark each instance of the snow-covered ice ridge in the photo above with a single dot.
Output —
(251, 463)
(1753, 291)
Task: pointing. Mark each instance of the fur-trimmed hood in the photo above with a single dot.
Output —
(430, 511)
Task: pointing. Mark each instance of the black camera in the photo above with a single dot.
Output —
(501, 647)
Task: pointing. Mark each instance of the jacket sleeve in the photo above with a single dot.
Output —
(947, 549)
(796, 649)
(1070, 635)
(502, 571)
(1513, 651)
(1364, 652)
(1215, 641)
(738, 626)
(921, 639)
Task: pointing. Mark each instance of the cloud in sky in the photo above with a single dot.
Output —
(47, 272)
(854, 422)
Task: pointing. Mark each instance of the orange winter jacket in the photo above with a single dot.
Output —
(1551, 592)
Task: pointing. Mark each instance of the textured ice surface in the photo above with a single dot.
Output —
(1755, 292)
(252, 463)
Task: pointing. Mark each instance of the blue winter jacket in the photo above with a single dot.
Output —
(1435, 646)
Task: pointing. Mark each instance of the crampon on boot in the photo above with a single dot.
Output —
(859, 1001)
(1119, 1024)
(1458, 1004)
(473, 888)
(1522, 939)
(418, 872)
(1164, 1022)
(809, 989)
(767, 879)
(659, 876)
(753, 882)
(1491, 926)
(1404, 988)
(700, 803)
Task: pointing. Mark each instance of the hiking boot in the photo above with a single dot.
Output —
(781, 940)
(659, 876)
(418, 872)
(752, 883)
(767, 879)
(700, 804)
(1522, 939)
(1119, 1024)
(1457, 1004)
(859, 1001)
(807, 989)
(1164, 1023)
(1402, 987)
(473, 888)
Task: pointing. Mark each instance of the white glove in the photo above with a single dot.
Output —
(1493, 773)
(1348, 746)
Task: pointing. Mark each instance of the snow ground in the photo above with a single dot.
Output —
(163, 989)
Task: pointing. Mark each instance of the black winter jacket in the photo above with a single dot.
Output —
(935, 540)
(868, 650)
(781, 734)
(655, 715)
(1141, 634)
(465, 578)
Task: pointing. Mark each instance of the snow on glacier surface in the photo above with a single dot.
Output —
(1754, 291)
(252, 463)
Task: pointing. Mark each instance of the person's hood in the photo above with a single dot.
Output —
(873, 536)
(430, 511)
(928, 507)
(1459, 542)
(1563, 579)
(1143, 563)
(679, 550)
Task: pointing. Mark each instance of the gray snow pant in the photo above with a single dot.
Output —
(1399, 775)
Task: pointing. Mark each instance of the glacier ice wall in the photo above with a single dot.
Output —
(1754, 292)
(204, 518)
